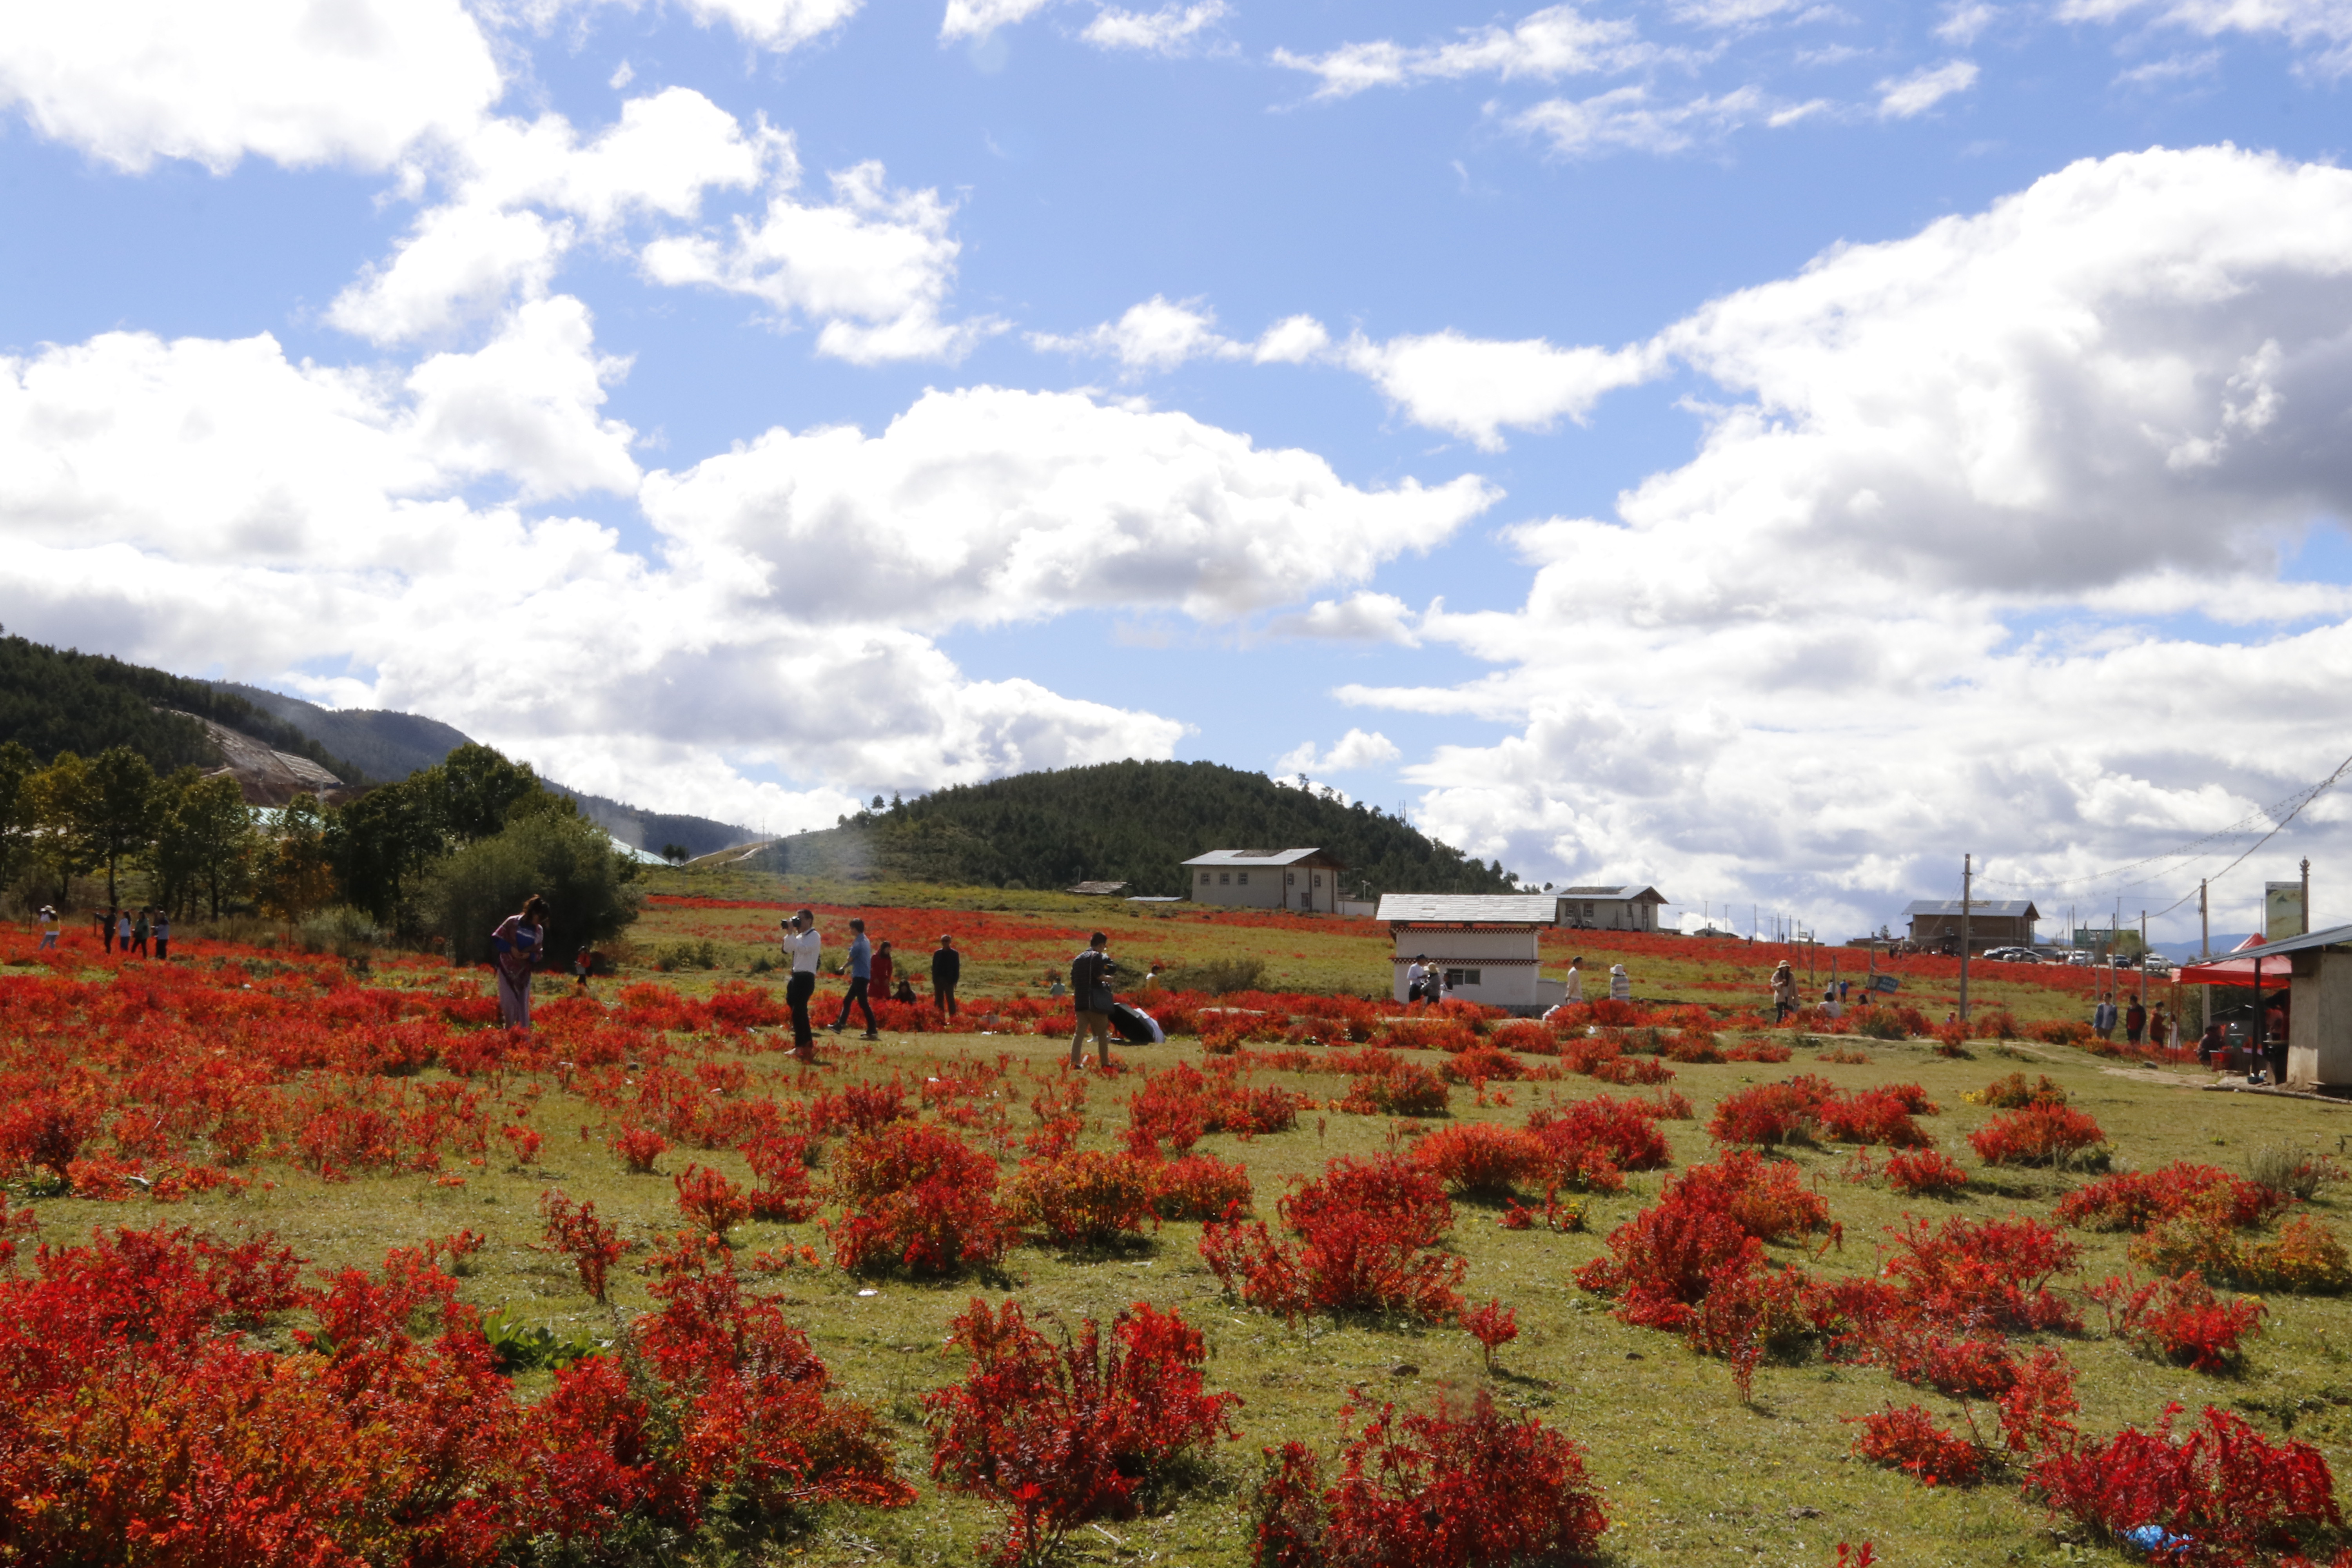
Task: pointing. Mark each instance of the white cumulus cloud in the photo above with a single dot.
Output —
(1904, 98)
(2323, 27)
(300, 82)
(1170, 30)
(1556, 41)
(1474, 387)
(1356, 750)
(1632, 119)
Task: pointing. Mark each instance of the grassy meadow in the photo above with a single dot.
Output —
(1692, 1475)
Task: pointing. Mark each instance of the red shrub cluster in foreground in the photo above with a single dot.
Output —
(1366, 1237)
(918, 1198)
(2179, 1320)
(2037, 1135)
(1177, 1104)
(1909, 1440)
(2136, 1200)
(140, 1413)
(2222, 1492)
(1060, 1433)
(1807, 1106)
(1084, 1198)
(1441, 1488)
(1705, 1228)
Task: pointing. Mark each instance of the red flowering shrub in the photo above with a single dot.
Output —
(1880, 1116)
(1199, 1186)
(1060, 1433)
(711, 1199)
(1624, 1131)
(1971, 1274)
(1478, 1064)
(1747, 1312)
(858, 1107)
(2013, 1093)
(1088, 1198)
(1493, 1325)
(1176, 1106)
(2179, 1320)
(1448, 1489)
(2223, 1487)
(1623, 1070)
(1366, 1237)
(915, 1197)
(1925, 1172)
(2035, 1406)
(780, 1161)
(2040, 1135)
(1482, 1157)
(1751, 1048)
(2134, 1200)
(1707, 1227)
(2304, 1257)
(639, 1148)
(1525, 1034)
(1689, 1047)
(1909, 1440)
(573, 1230)
(1770, 1114)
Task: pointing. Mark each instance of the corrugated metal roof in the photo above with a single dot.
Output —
(2334, 936)
(1470, 909)
(1248, 857)
(1631, 893)
(2006, 909)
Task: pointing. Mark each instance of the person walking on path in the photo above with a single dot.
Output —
(1784, 992)
(1090, 974)
(885, 970)
(163, 935)
(804, 947)
(2135, 1023)
(1620, 985)
(861, 976)
(48, 927)
(1574, 991)
(516, 946)
(2102, 1019)
(947, 969)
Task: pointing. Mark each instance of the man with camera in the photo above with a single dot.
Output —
(1090, 974)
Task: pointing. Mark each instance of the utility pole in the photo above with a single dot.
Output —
(2204, 954)
(2143, 958)
(1968, 874)
(2306, 895)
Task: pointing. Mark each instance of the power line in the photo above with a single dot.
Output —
(2279, 814)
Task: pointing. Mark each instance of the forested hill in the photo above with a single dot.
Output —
(56, 700)
(1129, 822)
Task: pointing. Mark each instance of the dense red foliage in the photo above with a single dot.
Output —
(1444, 1488)
(2178, 1319)
(1199, 1186)
(1366, 1235)
(1060, 1433)
(2036, 1135)
(2222, 1490)
(1705, 1228)
(1482, 1158)
(918, 1198)
(1085, 1198)
(573, 1230)
(1925, 1172)
(2134, 1200)
(1910, 1440)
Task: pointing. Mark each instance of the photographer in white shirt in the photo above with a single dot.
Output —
(803, 948)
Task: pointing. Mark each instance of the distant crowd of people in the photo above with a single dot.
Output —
(145, 932)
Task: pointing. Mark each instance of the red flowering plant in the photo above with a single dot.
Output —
(1365, 1238)
(915, 1197)
(1058, 1433)
(2221, 1495)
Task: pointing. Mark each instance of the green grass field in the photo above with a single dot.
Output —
(1692, 1476)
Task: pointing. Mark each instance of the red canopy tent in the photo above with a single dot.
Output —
(2244, 966)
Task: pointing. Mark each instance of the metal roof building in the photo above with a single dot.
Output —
(1992, 923)
(1484, 943)
(1306, 880)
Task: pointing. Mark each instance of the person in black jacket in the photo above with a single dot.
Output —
(947, 968)
(1090, 974)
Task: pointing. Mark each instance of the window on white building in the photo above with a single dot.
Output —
(1457, 978)
(1244, 877)
(1204, 878)
(1289, 878)
(1225, 876)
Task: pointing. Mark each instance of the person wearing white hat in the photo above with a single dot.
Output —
(1620, 985)
(48, 926)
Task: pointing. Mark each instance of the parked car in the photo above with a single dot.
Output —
(2013, 956)
(2158, 964)
(2079, 959)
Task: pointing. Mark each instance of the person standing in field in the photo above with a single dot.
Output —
(1574, 991)
(1090, 974)
(1416, 978)
(2102, 1019)
(884, 968)
(516, 946)
(861, 978)
(139, 931)
(163, 935)
(48, 927)
(123, 931)
(947, 969)
(1784, 992)
(106, 928)
(1620, 985)
(804, 947)
(2135, 1023)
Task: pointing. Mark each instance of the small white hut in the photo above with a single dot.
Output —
(1486, 943)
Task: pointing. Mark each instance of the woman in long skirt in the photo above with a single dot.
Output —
(517, 945)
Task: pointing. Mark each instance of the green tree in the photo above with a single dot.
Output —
(478, 789)
(207, 841)
(57, 798)
(382, 844)
(118, 812)
(296, 875)
(17, 766)
(587, 882)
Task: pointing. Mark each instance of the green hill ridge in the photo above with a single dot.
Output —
(1133, 822)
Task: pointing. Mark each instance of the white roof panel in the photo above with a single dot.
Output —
(1470, 909)
(1248, 857)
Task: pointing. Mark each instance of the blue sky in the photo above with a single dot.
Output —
(1760, 449)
